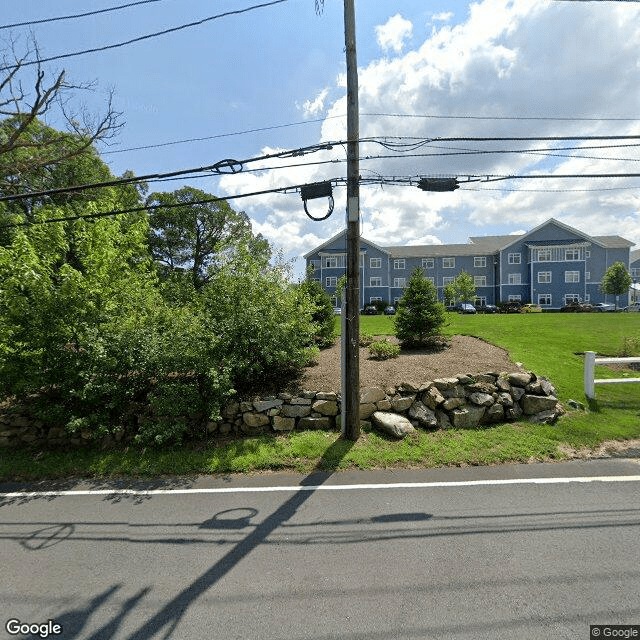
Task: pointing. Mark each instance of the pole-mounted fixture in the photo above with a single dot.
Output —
(438, 184)
(317, 190)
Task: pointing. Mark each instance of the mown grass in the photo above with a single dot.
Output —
(548, 344)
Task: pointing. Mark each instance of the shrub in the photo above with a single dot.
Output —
(322, 317)
(419, 314)
(366, 339)
(383, 349)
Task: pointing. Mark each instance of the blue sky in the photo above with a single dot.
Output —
(283, 64)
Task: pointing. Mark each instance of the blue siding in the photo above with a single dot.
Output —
(514, 270)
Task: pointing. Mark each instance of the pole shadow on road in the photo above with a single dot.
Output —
(167, 619)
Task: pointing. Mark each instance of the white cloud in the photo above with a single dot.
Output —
(393, 33)
(444, 16)
(508, 59)
(314, 107)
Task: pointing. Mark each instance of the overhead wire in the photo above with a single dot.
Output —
(76, 15)
(141, 38)
(147, 208)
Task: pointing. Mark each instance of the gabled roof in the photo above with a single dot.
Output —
(337, 237)
(634, 255)
(563, 226)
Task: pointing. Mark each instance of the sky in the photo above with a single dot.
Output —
(274, 79)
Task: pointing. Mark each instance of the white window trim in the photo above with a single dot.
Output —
(542, 296)
(517, 277)
(448, 263)
(514, 258)
(375, 263)
(399, 283)
(571, 277)
(331, 281)
(378, 282)
(480, 281)
(399, 264)
(479, 262)
(545, 273)
(428, 263)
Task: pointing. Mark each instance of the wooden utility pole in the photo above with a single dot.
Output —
(351, 335)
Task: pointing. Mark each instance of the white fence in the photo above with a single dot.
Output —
(590, 361)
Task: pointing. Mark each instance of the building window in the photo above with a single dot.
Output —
(572, 276)
(447, 280)
(481, 300)
(331, 282)
(395, 301)
(398, 264)
(544, 277)
(331, 263)
(587, 297)
(515, 278)
(514, 258)
(587, 276)
(571, 297)
(545, 255)
(399, 282)
(428, 263)
(448, 263)
(572, 254)
(375, 299)
(315, 279)
(635, 273)
(587, 254)
(480, 281)
(315, 264)
(334, 302)
(479, 261)
(375, 282)
(544, 299)
(375, 263)
(431, 279)
(515, 298)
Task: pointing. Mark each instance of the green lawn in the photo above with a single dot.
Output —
(548, 344)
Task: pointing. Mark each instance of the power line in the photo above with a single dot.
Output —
(390, 115)
(220, 135)
(145, 37)
(76, 15)
(104, 214)
(221, 167)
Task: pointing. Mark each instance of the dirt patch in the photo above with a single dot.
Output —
(463, 355)
(607, 449)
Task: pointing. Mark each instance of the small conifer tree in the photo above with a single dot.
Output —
(419, 315)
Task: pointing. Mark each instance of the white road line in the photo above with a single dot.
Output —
(321, 487)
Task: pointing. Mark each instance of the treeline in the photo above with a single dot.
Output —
(145, 322)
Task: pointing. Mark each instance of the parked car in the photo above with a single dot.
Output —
(633, 307)
(389, 311)
(577, 307)
(604, 306)
(510, 307)
(486, 308)
(531, 308)
(465, 307)
(370, 310)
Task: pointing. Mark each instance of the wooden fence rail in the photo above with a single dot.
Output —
(590, 362)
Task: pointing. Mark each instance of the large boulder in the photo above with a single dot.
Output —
(371, 395)
(467, 417)
(537, 404)
(425, 416)
(392, 424)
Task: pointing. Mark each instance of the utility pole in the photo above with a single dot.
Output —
(351, 334)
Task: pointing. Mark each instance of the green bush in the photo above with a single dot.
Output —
(419, 315)
(383, 349)
(366, 339)
(322, 317)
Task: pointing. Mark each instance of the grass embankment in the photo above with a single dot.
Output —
(548, 344)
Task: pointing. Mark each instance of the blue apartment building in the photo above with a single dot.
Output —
(551, 265)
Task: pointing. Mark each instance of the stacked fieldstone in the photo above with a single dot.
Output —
(462, 402)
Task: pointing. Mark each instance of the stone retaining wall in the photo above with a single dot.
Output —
(463, 401)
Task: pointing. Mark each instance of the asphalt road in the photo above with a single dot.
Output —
(449, 553)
